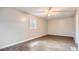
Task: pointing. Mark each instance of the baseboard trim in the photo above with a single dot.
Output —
(13, 44)
(20, 41)
(61, 35)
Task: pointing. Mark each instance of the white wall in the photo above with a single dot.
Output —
(14, 27)
(62, 27)
(77, 27)
(41, 28)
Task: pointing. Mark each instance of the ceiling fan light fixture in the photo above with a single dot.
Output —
(49, 14)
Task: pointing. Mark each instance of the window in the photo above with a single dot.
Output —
(33, 24)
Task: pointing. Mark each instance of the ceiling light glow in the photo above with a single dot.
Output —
(49, 14)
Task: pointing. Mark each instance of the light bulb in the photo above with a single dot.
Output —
(48, 14)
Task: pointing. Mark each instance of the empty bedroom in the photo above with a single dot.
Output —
(38, 29)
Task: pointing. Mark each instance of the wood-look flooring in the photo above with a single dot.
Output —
(45, 43)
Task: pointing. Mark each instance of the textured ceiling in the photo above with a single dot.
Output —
(56, 12)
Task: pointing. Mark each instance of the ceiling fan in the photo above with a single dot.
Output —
(50, 11)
